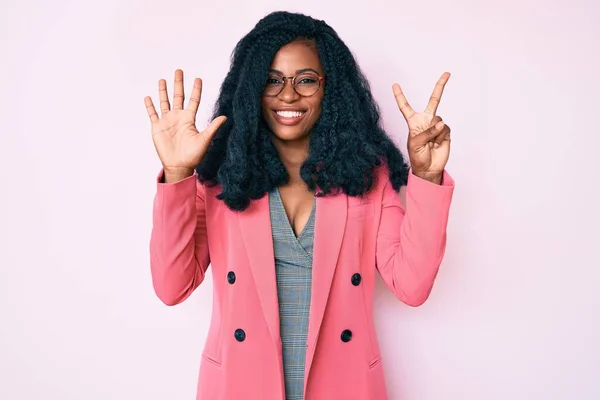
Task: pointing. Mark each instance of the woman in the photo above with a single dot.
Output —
(292, 195)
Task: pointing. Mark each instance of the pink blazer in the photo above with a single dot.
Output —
(242, 356)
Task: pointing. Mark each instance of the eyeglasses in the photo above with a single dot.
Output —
(305, 84)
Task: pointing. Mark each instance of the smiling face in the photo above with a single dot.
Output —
(289, 115)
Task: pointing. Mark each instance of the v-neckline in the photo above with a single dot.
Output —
(287, 218)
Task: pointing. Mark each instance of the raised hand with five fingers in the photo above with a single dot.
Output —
(179, 144)
(428, 136)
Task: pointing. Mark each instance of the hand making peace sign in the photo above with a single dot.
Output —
(428, 137)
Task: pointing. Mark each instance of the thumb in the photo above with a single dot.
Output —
(430, 134)
(213, 127)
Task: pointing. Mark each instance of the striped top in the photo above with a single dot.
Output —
(293, 267)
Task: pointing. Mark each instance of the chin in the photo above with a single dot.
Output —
(286, 134)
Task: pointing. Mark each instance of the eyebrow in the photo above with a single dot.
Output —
(300, 71)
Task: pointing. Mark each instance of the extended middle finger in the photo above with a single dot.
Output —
(178, 95)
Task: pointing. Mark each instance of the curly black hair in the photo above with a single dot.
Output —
(347, 143)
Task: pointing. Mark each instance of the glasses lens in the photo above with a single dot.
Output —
(274, 85)
(307, 84)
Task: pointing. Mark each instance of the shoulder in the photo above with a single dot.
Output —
(381, 183)
(207, 190)
(383, 191)
(382, 178)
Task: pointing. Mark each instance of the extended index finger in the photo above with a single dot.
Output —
(196, 95)
(434, 100)
(403, 105)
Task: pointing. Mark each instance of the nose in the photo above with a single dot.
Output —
(288, 94)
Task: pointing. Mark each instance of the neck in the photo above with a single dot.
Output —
(292, 155)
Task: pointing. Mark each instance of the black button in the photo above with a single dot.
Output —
(240, 335)
(346, 336)
(231, 277)
(356, 278)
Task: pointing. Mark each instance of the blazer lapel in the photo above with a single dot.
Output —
(330, 223)
(255, 225)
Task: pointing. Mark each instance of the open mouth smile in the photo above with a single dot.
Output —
(289, 117)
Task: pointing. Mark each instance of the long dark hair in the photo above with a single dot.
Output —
(346, 144)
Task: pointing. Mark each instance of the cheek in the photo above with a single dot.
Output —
(265, 106)
(317, 105)
(265, 110)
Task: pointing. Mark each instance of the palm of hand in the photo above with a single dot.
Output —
(179, 144)
(428, 137)
(177, 140)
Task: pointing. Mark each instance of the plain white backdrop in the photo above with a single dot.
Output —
(515, 313)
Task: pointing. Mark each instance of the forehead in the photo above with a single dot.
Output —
(296, 56)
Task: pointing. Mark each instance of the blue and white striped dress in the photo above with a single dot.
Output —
(293, 265)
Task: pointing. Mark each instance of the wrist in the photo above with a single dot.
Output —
(433, 177)
(174, 175)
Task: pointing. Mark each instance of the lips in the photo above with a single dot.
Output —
(289, 117)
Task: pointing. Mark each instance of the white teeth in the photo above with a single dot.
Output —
(290, 114)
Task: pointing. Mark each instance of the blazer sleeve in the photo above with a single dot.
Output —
(179, 253)
(411, 240)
